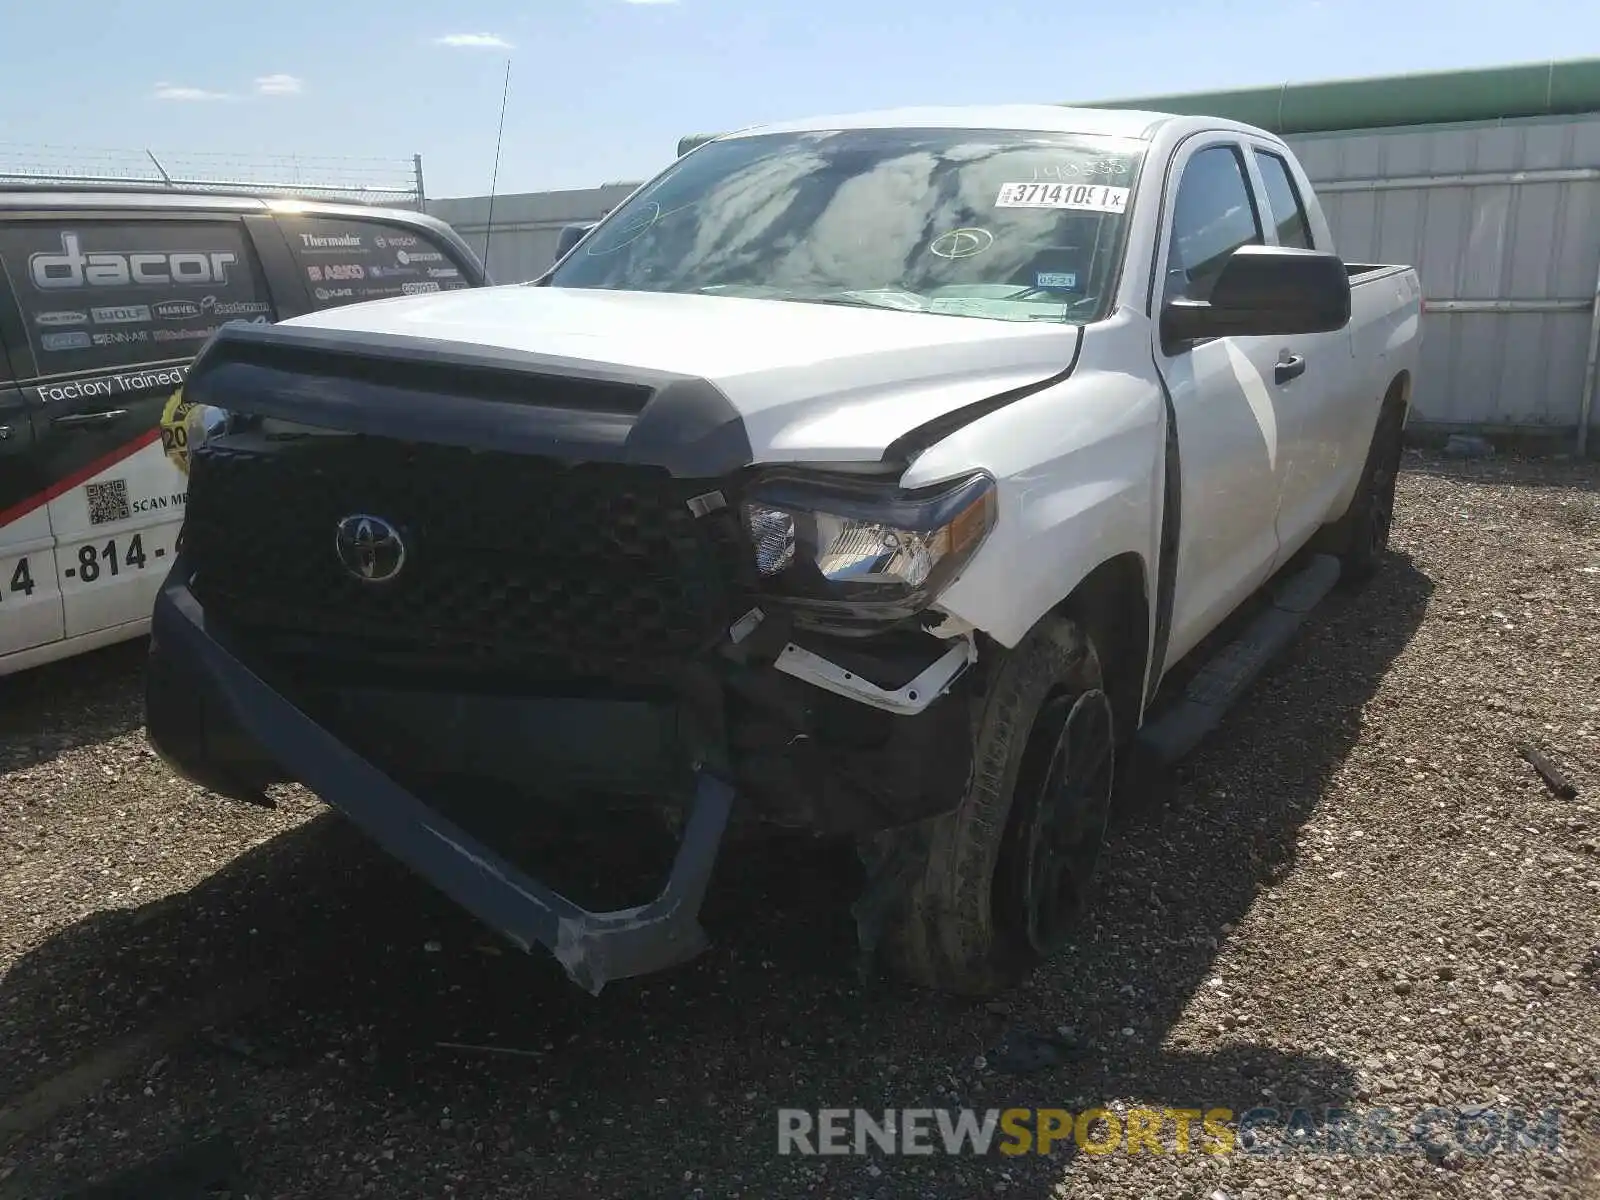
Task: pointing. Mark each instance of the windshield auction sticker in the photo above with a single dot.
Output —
(1083, 197)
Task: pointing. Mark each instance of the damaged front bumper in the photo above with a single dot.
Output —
(592, 947)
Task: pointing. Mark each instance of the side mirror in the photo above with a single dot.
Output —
(570, 236)
(1265, 290)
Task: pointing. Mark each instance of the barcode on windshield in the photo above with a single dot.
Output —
(1084, 197)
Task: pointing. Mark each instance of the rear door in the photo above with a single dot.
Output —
(1314, 408)
(30, 603)
(114, 305)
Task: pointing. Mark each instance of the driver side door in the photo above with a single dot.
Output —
(1224, 397)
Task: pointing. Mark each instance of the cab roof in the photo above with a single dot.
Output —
(1039, 118)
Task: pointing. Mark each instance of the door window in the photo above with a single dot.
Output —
(1212, 217)
(1283, 201)
(344, 260)
(108, 294)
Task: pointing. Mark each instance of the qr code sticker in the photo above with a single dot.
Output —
(108, 501)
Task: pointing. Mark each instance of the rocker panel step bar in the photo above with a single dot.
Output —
(1226, 676)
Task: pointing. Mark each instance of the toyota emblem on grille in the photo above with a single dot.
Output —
(369, 548)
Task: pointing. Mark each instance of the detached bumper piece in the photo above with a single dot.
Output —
(592, 947)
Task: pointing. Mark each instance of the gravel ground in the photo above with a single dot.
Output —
(1357, 894)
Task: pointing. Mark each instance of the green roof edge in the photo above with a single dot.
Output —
(1553, 88)
(1544, 89)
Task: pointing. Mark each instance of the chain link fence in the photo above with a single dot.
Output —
(393, 182)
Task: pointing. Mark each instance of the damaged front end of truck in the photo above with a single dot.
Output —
(406, 561)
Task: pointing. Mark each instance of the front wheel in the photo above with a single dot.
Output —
(981, 895)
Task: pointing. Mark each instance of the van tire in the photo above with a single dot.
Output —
(972, 900)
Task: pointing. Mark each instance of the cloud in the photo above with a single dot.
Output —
(474, 41)
(174, 91)
(279, 85)
(265, 85)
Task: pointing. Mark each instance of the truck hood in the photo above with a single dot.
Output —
(809, 382)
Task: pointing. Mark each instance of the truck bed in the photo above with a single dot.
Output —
(1384, 321)
(1367, 272)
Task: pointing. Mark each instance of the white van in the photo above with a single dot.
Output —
(104, 299)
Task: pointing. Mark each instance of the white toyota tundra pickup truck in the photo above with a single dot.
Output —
(863, 475)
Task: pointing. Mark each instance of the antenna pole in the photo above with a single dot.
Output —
(165, 178)
(494, 178)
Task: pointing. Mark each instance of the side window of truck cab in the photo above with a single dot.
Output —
(1288, 211)
(1213, 216)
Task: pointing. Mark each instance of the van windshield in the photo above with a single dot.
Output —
(971, 223)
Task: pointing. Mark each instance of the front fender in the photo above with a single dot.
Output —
(1080, 473)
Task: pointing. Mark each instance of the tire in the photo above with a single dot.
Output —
(972, 900)
(1361, 537)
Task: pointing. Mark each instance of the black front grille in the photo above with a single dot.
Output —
(579, 570)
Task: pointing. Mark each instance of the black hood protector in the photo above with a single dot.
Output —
(478, 397)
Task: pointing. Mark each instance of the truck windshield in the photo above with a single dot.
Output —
(1007, 225)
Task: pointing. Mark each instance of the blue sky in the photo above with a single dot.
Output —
(602, 89)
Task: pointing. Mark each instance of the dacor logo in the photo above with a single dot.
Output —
(120, 314)
(417, 289)
(369, 548)
(75, 268)
(176, 310)
(330, 241)
(63, 317)
(442, 273)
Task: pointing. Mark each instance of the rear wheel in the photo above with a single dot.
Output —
(978, 897)
(1361, 537)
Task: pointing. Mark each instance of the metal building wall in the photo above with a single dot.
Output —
(523, 241)
(1503, 222)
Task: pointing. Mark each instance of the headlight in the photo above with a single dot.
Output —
(864, 552)
(203, 422)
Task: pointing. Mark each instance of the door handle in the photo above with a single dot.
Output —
(1289, 368)
(90, 420)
